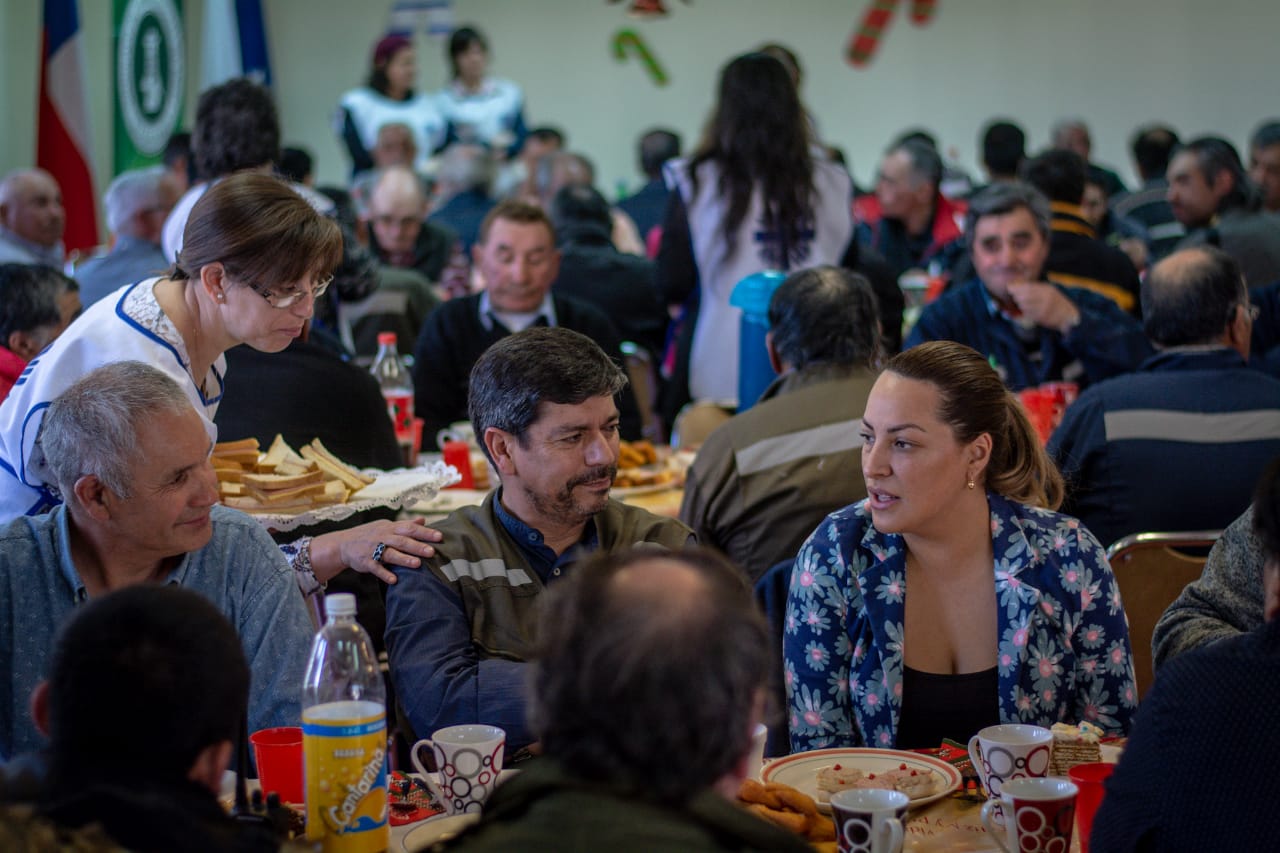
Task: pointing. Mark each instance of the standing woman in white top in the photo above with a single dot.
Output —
(479, 108)
(754, 196)
(388, 98)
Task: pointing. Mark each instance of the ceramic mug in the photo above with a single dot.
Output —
(1012, 751)
(469, 758)
(458, 431)
(1036, 816)
(869, 820)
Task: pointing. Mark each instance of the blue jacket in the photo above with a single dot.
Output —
(1107, 341)
(1199, 771)
(1177, 445)
(1063, 654)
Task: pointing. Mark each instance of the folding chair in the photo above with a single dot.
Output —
(1151, 570)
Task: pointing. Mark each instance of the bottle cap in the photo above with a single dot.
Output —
(340, 604)
(386, 338)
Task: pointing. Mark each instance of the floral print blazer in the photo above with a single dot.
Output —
(1064, 651)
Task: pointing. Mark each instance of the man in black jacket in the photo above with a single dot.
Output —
(517, 257)
(591, 269)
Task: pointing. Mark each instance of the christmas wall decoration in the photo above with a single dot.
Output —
(875, 21)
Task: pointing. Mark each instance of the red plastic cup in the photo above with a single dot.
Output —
(1039, 407)
(1089, 778)
(278, 753)
(458, 454)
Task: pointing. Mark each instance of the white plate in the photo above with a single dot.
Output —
(438, 828)
(800, 771)
(396, 489)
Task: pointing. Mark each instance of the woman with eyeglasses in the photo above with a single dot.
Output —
(255, 258)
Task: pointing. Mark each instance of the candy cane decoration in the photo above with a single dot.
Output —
(625, 41)
(866, 39)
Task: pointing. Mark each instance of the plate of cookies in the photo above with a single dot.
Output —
(791, 809)
(822, 772)
(643, 468)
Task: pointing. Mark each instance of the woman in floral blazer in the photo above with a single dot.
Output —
(1014, 615)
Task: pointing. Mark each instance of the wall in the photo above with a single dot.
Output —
(1203, 68)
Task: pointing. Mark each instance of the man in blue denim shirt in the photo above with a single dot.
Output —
(131, 458)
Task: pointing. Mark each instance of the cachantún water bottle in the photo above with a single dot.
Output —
(397, 389)
(344, 736)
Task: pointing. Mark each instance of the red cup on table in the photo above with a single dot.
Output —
(1089, 778)
(1038, 404)
(458, 454)
(278, 754)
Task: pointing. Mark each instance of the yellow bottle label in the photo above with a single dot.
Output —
(345, 749)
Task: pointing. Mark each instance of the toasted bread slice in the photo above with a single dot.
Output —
(246, 504)
(271, 482)
(223, 448)
(296, 467)
(340, 471)
(282, 496)
(324, 453)
(246, 458)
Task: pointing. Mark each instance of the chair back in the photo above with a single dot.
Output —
(771, 595)
(644, 386)
(695, 422)
(1151, 570)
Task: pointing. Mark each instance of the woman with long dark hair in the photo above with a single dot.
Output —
(388, 98)
(754, 196)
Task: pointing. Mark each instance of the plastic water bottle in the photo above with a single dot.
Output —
(344, 736)
(397, 389)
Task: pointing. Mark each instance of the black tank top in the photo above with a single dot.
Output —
(938, 706)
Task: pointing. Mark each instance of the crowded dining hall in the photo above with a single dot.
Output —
(638, 425)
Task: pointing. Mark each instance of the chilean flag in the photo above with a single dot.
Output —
(62, 138)
(235, 43)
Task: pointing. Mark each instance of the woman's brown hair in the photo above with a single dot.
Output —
(261, 231)
(974, 401)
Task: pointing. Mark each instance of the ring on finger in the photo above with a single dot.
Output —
(378, 552)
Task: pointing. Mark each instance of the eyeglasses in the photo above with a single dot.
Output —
(292, 297)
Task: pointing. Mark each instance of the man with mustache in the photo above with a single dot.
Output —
(460, 631)
(1033, 331)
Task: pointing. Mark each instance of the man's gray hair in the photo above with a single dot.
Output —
(92, 427)
(1063, 126)
(925, 163)
(465, 167)
(130, 192)
(1001, 198)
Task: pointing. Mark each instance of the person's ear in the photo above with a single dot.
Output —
(1239, 332)
(210, 764)
(24, 345)
(1271, 589)
(979, 456)
(501, 446)
(93, 495)
(213, 278)
(40, 707)
(775, 361)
